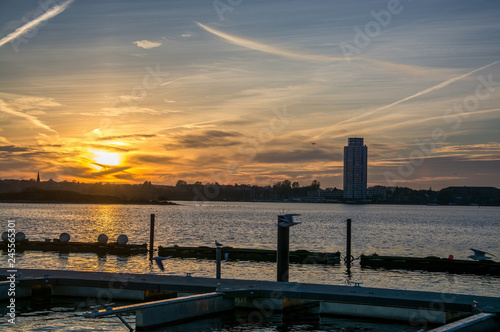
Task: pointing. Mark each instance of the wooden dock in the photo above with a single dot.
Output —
(248, 254)
(410, 306)
(94, 247)
(432, 263)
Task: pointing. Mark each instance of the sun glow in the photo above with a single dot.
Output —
(105, 158)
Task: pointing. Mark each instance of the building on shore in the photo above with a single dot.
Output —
(355, 169)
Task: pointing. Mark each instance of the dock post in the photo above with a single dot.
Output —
(218, 258)
(151, 236)
(348, 259)
(283, 252)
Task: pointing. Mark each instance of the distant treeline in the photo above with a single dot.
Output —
(148, 193)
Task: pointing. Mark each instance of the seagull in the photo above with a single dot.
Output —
(287, 220)
(480, 255)
(217, 244)
(159, 261)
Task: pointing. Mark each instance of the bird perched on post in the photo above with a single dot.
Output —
(159, 261)
(217, 244)
(286, 220)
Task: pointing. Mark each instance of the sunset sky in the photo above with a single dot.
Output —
(250, 91)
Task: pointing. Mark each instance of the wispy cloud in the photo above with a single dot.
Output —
(267, 48)
(146, 44)
(6, 109)
(56, 10)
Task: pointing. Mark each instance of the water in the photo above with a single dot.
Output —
(384, 229)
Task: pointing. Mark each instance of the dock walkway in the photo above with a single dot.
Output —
(438, 308)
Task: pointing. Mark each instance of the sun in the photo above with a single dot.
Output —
(105, 158)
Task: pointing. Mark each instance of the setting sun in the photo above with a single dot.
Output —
(105, 158)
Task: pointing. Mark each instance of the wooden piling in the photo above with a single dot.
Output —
(283, 252)
(151, 236)
(218, 259)
(348, 255)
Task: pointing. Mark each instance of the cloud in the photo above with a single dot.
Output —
(109, 170)
(299, 155)
(117, 111)
(56, 10)
(209, 138)
(131, 136)
(12, 148)
(146, 44)
(142, 159)
(494, 147)
(6, 109)
(267, 48)
(36, 102)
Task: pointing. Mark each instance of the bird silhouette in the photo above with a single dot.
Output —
(480, 255)
(217, 244)
(286, 220)
(159, 261)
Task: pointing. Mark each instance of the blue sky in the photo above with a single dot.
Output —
(238, 91)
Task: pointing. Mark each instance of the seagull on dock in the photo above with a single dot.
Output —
(159, 261)
(286, 220)
(217, 244)
(480, 255)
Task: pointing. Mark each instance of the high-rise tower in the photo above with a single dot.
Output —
(355, 169)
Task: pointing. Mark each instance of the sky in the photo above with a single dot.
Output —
(253, 92)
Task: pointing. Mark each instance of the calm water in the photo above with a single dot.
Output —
(391, 229)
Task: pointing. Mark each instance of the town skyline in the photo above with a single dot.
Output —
(231, 92)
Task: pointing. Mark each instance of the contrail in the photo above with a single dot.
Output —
(31, 118)
(243, 42)
(267, 48)
(56, 10)
(420, 93)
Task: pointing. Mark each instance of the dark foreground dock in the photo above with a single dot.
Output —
(193, 297)
(93, 247)
(248, 254)
(434, 264)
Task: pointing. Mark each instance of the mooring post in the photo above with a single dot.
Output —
(218, 258)
(348, 245)
(151, 236)
(283, 252)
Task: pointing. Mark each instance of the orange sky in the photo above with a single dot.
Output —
(161, 91)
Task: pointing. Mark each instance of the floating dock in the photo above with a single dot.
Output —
(197, 297)
(247, 254)
(95, 247)
(434, 264)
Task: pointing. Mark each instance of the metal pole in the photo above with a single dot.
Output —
(348, 245)
(218, 258)
(151, 236)
(283, 252)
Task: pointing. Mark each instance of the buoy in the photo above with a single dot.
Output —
(64, 237)
(122, 239)
(102, 238)
(20, 237)
(5, 236)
